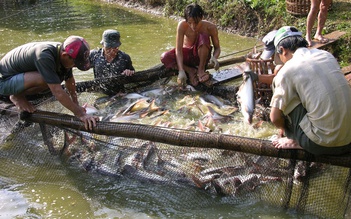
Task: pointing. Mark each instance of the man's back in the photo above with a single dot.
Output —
(28, 57)
(314, 78)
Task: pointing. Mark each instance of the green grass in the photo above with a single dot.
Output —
(338, 19)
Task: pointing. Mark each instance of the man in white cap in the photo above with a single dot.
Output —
(268, 41)
(311, 98)
(35, 67)
(109, 61)
(267, 54)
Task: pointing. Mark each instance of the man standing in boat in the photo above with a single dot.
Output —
(193, 48)
(109, 61)
(36, 67)
(311, 99)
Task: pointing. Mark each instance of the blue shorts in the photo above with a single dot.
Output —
(12, 85)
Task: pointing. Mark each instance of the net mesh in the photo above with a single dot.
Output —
(238, 168)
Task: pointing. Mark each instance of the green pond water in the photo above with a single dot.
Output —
(35, 184)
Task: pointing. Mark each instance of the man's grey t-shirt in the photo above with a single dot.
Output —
(37, 56)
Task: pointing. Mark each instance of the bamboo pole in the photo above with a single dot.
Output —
(184, 138)
(151, 74)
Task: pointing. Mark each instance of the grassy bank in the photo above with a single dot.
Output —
(255, 18)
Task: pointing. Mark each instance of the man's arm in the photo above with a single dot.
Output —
(78, 111)
(65, 100)
(71, 87)
(181, 80)
(129, 71)
(212, 29)
(179, 44)
(215, 41)
(277, 119)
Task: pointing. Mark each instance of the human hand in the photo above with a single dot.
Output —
(128, 72)
(89, 121)
(213, 62)
(251, 74)
(181, 80)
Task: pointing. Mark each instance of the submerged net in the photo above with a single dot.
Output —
(214, 159)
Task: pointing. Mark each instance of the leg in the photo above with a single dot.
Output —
(204, 76)
(33, 83)
(22, 103)
(322, 17)
(293, 131)
(169, 59)
(203, 52)
(192, 75)
(311, 17)
(286, 143)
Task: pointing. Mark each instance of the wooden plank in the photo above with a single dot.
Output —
(346, 70)
(333, 36)
(225, 75)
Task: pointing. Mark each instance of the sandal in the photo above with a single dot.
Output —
(322, 39)
(208, 83)
(204, 77)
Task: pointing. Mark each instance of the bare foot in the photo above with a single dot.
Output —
(286, 143)
(321, 39)
(309, 41)
(193, 77)
(203, 76)
(22, 103)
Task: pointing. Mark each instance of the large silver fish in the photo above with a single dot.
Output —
(246, 99)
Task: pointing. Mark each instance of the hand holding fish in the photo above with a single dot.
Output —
(214, 63)
(181, 80)
(88, 117)
(251, 74)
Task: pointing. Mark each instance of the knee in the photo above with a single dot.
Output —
(165, 58)
(314, 9)
(323, 8)
(162, 56)
(168, 60)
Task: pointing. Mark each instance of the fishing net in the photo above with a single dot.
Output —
(150, 146)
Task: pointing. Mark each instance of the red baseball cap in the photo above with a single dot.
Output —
(78, 48)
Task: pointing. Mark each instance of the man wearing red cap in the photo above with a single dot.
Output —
(35, 67)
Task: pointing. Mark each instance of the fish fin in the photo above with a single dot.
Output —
(200, 126)
(258, 101)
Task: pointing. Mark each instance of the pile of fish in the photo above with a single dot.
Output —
(185, 109)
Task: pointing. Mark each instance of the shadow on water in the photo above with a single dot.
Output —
(43, 16)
